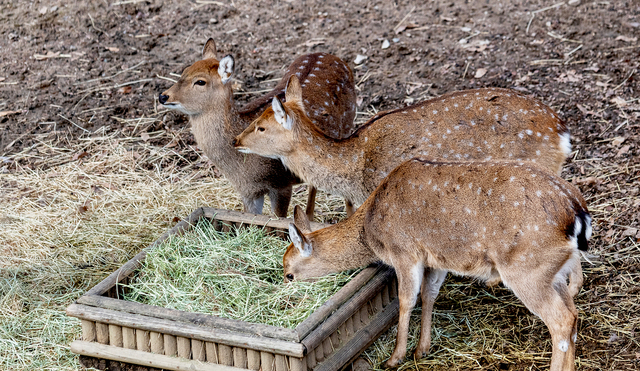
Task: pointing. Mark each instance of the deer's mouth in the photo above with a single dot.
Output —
(178, 107)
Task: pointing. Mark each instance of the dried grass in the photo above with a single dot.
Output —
(77, 213)
(66, 224)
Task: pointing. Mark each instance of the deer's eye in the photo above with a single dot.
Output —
(290, 277)
(200, 82)
(260, 128)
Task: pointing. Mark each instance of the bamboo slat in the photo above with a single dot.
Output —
(157, 342)
(349, 326)
(319, 353)
(143, 340)
(297, 364)
(129, 338)
(311, 360)
(88, 330)
(212, 352)
(239, 357)
(281, 363)
(327, 347)
(385, 296)
(253, 359)
(347, 309)
(393, 289)
(267, 360)
(355, 320)
(102, 333)
(377, 303)
(184, 347)
(343, 336)
(197, 348)
(335, 340)
(170, 345)
(364, 315)
(136, 357)
(225, 355)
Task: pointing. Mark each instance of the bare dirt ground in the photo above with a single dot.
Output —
(79, 83)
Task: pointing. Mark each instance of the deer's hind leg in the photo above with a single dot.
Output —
(575, 275)
(431, 283)
(550, 299)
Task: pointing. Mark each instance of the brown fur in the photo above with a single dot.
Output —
(216, 121)
(479, 124)
(496, 221)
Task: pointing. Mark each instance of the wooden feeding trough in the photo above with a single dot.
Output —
(124, 335)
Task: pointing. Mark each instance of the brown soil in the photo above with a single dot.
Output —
(71, 71)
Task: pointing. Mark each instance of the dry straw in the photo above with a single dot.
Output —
(75, 214)
(78, 212)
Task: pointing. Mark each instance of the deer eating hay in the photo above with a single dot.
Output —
(496, 221)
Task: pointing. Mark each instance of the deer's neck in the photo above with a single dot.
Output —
(342, 247)
(215, 129)
(331, 165)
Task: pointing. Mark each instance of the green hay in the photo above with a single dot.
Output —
(237, 275)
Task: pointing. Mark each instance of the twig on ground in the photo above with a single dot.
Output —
(403, 19)
(74, 124)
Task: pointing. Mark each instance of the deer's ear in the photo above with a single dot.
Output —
(300, 241)
(280, 114)
(209, 50)
(293, 91)
(300, 219)
(225, 69)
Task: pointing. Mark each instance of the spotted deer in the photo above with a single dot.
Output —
(204, 93)
(480, 124)
(495, 221)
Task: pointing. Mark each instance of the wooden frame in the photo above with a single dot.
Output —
(124, 335)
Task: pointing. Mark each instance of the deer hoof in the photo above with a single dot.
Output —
(391, 363)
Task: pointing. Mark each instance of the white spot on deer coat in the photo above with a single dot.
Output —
(563, 345)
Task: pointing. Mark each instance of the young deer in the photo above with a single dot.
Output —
(496, 221)
(205, 94)
(479, 124)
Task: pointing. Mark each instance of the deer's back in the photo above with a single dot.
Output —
(482, 124)
(462, 213)
(328, 93)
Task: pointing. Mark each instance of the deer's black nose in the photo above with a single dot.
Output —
(235, 141)
(163, 98)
